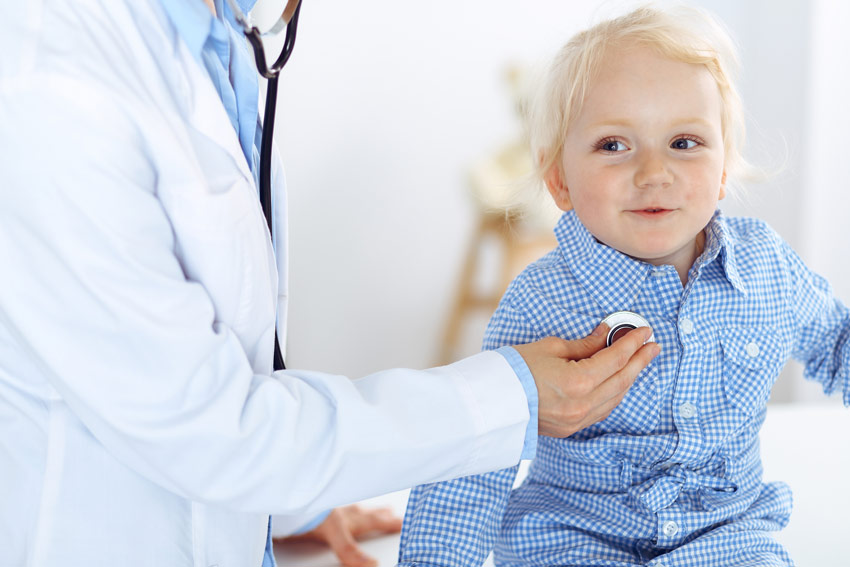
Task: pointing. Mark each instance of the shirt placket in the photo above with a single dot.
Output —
(671, 522)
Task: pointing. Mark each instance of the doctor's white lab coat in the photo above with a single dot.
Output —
(140, 423)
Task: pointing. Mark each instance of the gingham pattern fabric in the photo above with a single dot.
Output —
(673, 476)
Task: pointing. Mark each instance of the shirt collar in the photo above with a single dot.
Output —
(614, 279)
(720, 242)
(609, 276)
(195, 23)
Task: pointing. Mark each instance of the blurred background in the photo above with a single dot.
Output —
(397, 121)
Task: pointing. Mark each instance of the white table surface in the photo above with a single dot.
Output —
(807, 446)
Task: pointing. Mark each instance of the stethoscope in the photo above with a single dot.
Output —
(254, 37)
(621, 322)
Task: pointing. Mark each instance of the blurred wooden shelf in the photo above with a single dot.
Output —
(516, 245)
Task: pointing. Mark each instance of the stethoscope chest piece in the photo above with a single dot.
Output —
(621, 322)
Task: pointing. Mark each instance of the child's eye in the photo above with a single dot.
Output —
(684, 144)
(609, 145)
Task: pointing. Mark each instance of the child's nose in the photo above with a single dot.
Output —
(652, 171)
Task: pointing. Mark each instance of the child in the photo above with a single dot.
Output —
(637, 129)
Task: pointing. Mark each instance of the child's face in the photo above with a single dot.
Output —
(643, 162)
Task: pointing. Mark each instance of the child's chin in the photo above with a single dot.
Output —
(654, 256)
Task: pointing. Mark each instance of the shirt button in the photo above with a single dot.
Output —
(670, 528)
(687, 326)
(687, 410)
(752, 349)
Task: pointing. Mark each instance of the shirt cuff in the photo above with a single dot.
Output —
(514, 358)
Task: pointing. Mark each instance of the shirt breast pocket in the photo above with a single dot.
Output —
(752, 359)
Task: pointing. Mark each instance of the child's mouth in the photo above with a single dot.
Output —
(651, 211)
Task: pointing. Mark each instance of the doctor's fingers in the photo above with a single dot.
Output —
(611, 391)
(545, 358)
(598, 413)
(614, 365)
(587, 395)
(365, 522)
(586, 347)
(344, 526)
(608, 362)
(335, 531)
(348, 552)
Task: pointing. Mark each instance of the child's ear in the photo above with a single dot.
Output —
(722, 186)
(557, 188)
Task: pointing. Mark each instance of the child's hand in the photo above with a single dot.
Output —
(344, 526)
(580, 382)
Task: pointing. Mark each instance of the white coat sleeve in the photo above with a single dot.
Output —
(96, 300)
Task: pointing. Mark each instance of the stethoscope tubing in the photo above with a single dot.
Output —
(272, 74)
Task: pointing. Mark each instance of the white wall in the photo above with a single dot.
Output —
(386, 104)
(825, 191)
(390, 103)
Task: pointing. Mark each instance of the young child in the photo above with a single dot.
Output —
(637, 130)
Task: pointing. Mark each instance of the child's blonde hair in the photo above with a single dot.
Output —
(681, 33)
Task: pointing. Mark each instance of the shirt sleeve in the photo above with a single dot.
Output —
(822, 341)
(104, 318)
(457, 522)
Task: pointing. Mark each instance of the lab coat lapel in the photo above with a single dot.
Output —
(222, 213)
(207, 115)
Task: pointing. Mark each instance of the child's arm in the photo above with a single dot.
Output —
(822, 341)
(457, 522)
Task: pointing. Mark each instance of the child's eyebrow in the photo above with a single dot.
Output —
(616, 122)
(675, 122)
(695, 120)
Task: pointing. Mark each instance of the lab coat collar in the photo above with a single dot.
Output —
(202, 104)
(209, 117)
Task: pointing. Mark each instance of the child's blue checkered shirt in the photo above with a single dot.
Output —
(673, 475)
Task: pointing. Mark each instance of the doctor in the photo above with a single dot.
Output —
(140, 420)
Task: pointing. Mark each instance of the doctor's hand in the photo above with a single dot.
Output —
(580, 382)
(344, 526)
